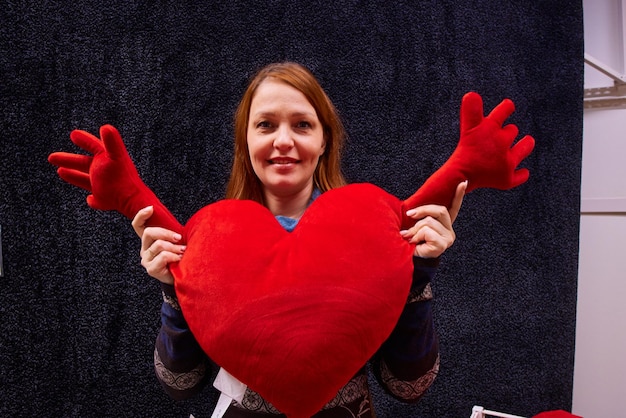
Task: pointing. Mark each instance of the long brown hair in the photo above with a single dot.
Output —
(243, 182)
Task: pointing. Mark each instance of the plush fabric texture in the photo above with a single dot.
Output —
(556, 414)
(110, 176)
(80, 315)
(296, 315)
(487, 156)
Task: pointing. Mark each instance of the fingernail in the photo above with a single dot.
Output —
(410, 212)
(404, 232)
(177, 237)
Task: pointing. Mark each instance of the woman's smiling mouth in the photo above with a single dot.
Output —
(283, 161)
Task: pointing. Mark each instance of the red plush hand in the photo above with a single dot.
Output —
(110, 176)
(485, 156)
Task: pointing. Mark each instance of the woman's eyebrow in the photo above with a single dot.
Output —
(298, 113)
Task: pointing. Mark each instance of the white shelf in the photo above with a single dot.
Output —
(603, 205)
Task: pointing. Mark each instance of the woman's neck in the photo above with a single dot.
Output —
(291, 206)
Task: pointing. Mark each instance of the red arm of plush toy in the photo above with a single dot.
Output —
(110, 176)
(485, 156)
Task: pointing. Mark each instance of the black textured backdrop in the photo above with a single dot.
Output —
(78, 315)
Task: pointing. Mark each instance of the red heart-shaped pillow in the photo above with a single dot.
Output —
(305, 310)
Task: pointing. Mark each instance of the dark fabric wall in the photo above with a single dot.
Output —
(79, 315)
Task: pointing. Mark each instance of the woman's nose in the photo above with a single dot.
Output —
(283, 139)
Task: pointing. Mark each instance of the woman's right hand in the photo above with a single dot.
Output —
(159, 247)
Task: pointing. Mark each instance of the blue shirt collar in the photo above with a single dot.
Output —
(290, 223)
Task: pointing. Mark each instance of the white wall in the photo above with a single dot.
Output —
(600, 361)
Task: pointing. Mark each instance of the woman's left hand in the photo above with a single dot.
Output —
(432, 234)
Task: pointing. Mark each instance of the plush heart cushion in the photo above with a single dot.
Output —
(296, 315)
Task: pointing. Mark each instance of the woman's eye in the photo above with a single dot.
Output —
(263, 124)
(304, 125)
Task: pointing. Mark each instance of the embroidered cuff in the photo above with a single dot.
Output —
(169, 296)
(417, 295)
(178, 381)
(409, 391)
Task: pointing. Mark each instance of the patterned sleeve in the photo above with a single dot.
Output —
(180, 364)
(407, 363)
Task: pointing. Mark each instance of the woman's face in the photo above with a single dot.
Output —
(285, 139)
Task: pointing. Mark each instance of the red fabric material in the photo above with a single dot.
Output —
(485, 156)
(110, 176)
(556, 414)
(294, 316)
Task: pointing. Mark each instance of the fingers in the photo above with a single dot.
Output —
(96, 204)
(437, 212)
(416, 233)
(457, 201)
(86, 141)
(161, 249)
(71, 161)
(158, 250)
(510, 131)
(140, 219)
(75, 178)
(430, 237)
(432, 234)
(520, 151)
(160, 239)
(501, 112)
(113, 142)
(157, 266)
(523, 148)
(520, 177)
(471, 111)
(432, 244)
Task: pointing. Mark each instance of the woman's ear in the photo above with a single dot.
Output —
(323, 149)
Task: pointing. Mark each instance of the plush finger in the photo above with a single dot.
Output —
(501, 112)
(96, 204)
(519, 177)
(71, 161)
(471, 111)
(511, 131)
(113, 142)
(86, 141)
(523, 148)
(76, 178)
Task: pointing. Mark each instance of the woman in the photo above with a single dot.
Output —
(288, 139)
